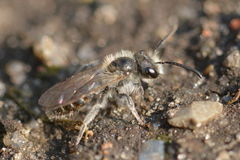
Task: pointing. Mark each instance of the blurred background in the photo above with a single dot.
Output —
(45, 41)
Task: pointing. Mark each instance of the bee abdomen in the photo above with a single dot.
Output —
(67, 112)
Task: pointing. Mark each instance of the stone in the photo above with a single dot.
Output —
(196, 114)
(152, 149)
(233, 59)
(17, 71)
(52, 53)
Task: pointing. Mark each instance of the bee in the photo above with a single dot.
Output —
(119, 78)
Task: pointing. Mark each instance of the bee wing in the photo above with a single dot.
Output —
(77, 86)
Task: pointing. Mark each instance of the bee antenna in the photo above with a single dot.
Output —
(184, 67)
(160, 44)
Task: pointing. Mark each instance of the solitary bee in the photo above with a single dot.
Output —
(118, 79)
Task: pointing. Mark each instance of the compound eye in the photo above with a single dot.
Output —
(112, 67)
(151, 72)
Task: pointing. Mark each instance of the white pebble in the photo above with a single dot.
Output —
(196, 114)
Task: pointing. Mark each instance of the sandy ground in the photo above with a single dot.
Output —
(75, 32)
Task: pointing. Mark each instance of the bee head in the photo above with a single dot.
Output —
(122, 64)
(145, 65)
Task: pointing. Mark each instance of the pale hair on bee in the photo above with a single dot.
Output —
(111, 57)
(119, 79)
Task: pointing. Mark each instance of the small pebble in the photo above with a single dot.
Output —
(107, 14)
(152, 149)
(177, 100)
(223, 155)
(150, 98)
(158, 99)
(226, 98)
(214, 97)
(106, 147)
(235, 24)
(51, 53)
(119, 138)
(207, 136)
(171, 104)
(124, 155)
(233, 59)
(181, 156)
(207, 33)
(196, 114)
(17, 71)
(209, 70)
(211, 8)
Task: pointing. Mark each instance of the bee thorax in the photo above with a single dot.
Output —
(124, 64)
(128, 87)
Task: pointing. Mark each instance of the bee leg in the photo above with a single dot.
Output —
(89, 118)
(137, 96)
(126, 100)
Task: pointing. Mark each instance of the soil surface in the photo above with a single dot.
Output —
(44, 42)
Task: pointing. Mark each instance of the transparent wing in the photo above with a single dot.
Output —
(83, 83)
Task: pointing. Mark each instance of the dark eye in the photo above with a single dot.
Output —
(151, 72)
(114, 64)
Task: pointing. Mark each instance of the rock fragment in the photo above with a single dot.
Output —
(196, 114)
(235, 24)
(223, 155)
(107, 14)
(17, 71)
(152, 149)
(52, 53)
(233, 59)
